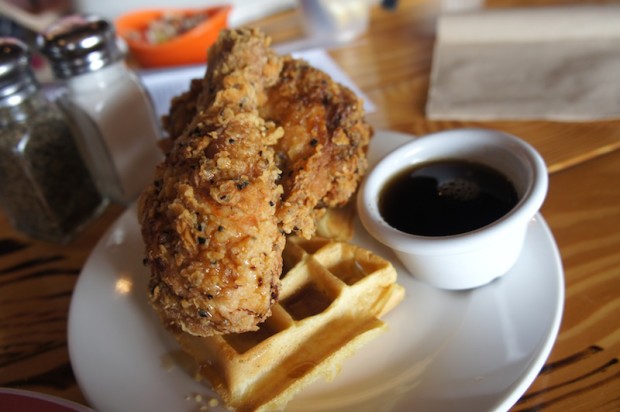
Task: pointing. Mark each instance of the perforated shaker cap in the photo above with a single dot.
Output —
(17, 80)
(79, 44)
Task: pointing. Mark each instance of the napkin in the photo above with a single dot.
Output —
(553, 63)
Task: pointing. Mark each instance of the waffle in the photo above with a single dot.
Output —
(331, 298)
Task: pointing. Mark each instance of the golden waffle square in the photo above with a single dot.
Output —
(331, 298)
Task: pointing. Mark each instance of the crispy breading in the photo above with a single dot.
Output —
(257, 150)
(322, 154)
(209, 219)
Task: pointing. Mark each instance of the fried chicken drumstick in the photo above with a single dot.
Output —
(257, 149)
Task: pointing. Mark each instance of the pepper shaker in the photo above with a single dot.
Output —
(45, 188)
(107, 102)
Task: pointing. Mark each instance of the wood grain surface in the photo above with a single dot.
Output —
(391, 64)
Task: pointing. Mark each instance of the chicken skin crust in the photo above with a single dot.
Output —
(257, 150)
(322, 154)
(209, 219)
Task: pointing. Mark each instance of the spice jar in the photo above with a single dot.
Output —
(45, 188)
(107, 102)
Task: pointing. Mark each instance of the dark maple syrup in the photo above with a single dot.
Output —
(446, 197)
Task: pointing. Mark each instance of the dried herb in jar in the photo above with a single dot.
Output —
(45, 188)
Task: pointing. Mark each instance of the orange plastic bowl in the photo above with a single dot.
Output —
(188, 48)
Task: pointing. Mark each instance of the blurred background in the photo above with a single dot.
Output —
(43, 11)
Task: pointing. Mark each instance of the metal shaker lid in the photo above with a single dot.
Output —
(79, 44)
(17, 80)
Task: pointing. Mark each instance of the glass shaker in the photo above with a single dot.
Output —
(107, 102)
(45, 188)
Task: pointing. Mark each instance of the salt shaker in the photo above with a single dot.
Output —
(107, 102)
(45, 188)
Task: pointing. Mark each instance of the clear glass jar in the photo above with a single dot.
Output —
(45, 188)
(107, 102)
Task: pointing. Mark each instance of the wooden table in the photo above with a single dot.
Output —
(391, 64)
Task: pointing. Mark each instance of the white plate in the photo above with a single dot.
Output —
(445, 351)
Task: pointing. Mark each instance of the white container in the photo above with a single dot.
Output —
(477, 257)
(108, 104)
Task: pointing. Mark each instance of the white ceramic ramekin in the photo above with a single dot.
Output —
(473, 258)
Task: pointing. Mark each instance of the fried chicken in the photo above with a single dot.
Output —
(257, 150)
(322, 154)
(209, 219)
